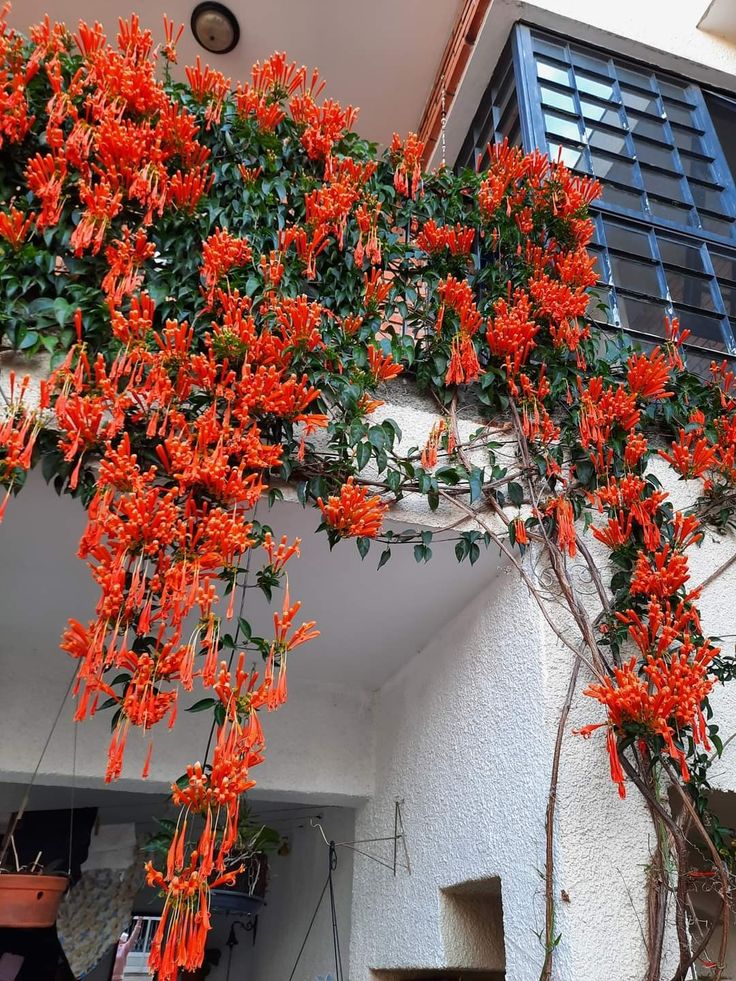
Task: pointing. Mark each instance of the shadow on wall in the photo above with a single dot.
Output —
(471, 920)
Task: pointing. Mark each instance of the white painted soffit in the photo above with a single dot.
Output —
(380, 56)
(371, 622)
(720, 19)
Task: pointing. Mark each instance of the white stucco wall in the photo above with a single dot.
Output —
(295, 884)
(464, 735)
(460, 738)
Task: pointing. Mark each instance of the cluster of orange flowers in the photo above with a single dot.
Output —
(660, 692)
(162, 533)
(186, 426)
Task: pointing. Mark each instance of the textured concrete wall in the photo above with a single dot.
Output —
(461, 739)
(295, 885)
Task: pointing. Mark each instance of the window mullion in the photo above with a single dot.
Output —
(713, 144)
(531, 117)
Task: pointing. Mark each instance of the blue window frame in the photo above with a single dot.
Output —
(666, 220)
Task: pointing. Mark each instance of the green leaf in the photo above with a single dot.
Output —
(377, 436)
(203, 704)
(364, 545)
(362, 454)
(28, 340)
(385, 556)
(516, 494)
(475, 479)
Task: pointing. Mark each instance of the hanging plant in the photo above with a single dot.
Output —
(225, 280)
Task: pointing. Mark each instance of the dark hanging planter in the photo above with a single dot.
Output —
(233, 901)
(244, 897)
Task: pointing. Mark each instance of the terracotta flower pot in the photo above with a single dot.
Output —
(30, 900)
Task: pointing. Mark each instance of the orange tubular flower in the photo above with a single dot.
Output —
(407, 157)
(660, 574)
(636, 448)
(512, 330)
(222, 252)
(564, 515)
(15, 226)
(648, 375)
(279, 555)
(434, 238)
(692, 455)
(464, 367)
(353, 513)
(429, 453)
(382, 367)
(209, 87)
(520, 534)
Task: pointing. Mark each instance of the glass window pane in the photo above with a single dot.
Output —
(595, 113)
(728, 293)
(652, 129)
(567, 129)
(724, 264)
(558, 99)
(592, 85)
(657, 156)
(642, 315)
(704, 329)
(674, 90)
(718, 226)
(686, 140)
(604, 139)
(626, 239)
(514, 135)
(623, 197)
(641, 101)
(553, 72)
(590, 60)
(671, 212)
(709, 198)
(680, 254)
(545, 46)
(506, 90)
(574, 157)
(612, 168)
(723, 115)
(701, 170)
(662, 184)
(507, 121)
(680, 114)
(693, 290)
(629, 76)
(637, 276)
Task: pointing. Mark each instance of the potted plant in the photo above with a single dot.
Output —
(250, 853)
(29, 899)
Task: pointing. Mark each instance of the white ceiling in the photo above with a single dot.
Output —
(380, 56)
(371, 622)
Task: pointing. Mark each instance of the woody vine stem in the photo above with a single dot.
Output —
(222, 282)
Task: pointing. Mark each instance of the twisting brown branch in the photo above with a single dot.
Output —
(549, 826)
(709, 580)
(680, 845)
(722, 875)
(526, 578)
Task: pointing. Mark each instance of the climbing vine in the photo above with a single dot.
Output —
(225, 281)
